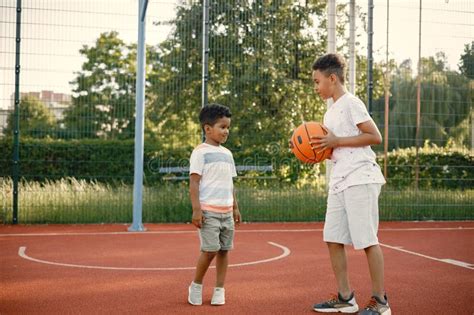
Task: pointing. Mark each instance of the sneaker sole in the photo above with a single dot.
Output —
(195, 304)
(349, 309)
(217, 304)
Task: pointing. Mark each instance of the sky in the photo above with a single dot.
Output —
(447, 25)
(53, 31)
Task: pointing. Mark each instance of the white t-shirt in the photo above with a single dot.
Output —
(216, 166)
(350, 165)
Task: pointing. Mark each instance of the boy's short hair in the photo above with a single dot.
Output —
(331, 63)
(211, 113)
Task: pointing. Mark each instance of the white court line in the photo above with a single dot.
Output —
(445, 260)
(22, 254)
(237, 231)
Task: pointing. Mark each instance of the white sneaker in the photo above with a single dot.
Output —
(195, 294)
(218, 298)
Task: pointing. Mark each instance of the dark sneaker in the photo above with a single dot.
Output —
(376, 307)
(337, 304)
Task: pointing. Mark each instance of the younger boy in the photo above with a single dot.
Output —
(213, 200)
(352, 208)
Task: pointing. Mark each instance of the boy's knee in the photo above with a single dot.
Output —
(210, 255)
(334, 245)
(372, 248)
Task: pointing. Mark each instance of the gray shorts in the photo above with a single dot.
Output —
(352, 216)
(217, 231)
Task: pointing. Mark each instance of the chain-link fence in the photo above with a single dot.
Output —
(73, 101)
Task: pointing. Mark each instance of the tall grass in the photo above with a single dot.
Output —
(78, 201)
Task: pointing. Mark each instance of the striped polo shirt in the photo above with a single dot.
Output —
(216, 166)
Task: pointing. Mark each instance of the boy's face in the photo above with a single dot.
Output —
(218, 133)
(324, 85)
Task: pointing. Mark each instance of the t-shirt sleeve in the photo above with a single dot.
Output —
(359, 113)
(196, 163)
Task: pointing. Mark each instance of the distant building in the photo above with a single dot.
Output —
(57, 103)
(3, 119)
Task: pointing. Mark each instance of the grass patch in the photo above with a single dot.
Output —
(75, 201)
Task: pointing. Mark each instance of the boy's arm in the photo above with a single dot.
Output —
(370, 135)
(237, 215)
(194, 181)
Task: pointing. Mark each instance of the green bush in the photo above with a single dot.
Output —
(42, 159)
(438, 168)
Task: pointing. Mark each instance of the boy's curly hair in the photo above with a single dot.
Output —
(331, 63)
(211, 113)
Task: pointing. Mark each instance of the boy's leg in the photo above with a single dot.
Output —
(218, 297)
(203, 263)
(336, 234)
(195, 288)
(376, 268)
(337, 254)
(344, 301)
(363, 211)
(226, 239)
(222, 262)
(209, 238)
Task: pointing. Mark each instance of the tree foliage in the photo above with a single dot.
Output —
(104, 91)
(446, 104)
(259, 64)
(466, 64)
(36, 120)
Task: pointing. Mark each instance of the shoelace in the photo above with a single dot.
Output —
(333, 298)
(371, 305)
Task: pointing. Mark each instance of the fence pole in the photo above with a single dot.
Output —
(387, 99)
(352, 52)
(370, 60)
(331, 25)
(205, 54)
(137, 224)
(16, 128)
(418, 103)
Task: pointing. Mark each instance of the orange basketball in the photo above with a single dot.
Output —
(300, 143)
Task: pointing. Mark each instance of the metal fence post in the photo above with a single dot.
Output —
(205, 54)
(370, 59)
(137, 224)
(16, 129)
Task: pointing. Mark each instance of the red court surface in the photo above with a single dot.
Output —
(280, 269)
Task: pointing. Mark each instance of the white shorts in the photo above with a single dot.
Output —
(352, 216)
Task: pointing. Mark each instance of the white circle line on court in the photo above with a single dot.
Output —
(22, 254)
(460, 228)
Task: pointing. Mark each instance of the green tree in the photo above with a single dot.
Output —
(446, 103)
(104, 91)
(260, 61)
(36, 120)
(466, 64)
(361, 79)
(259, 64)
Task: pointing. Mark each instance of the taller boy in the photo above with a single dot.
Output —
(352, 215)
